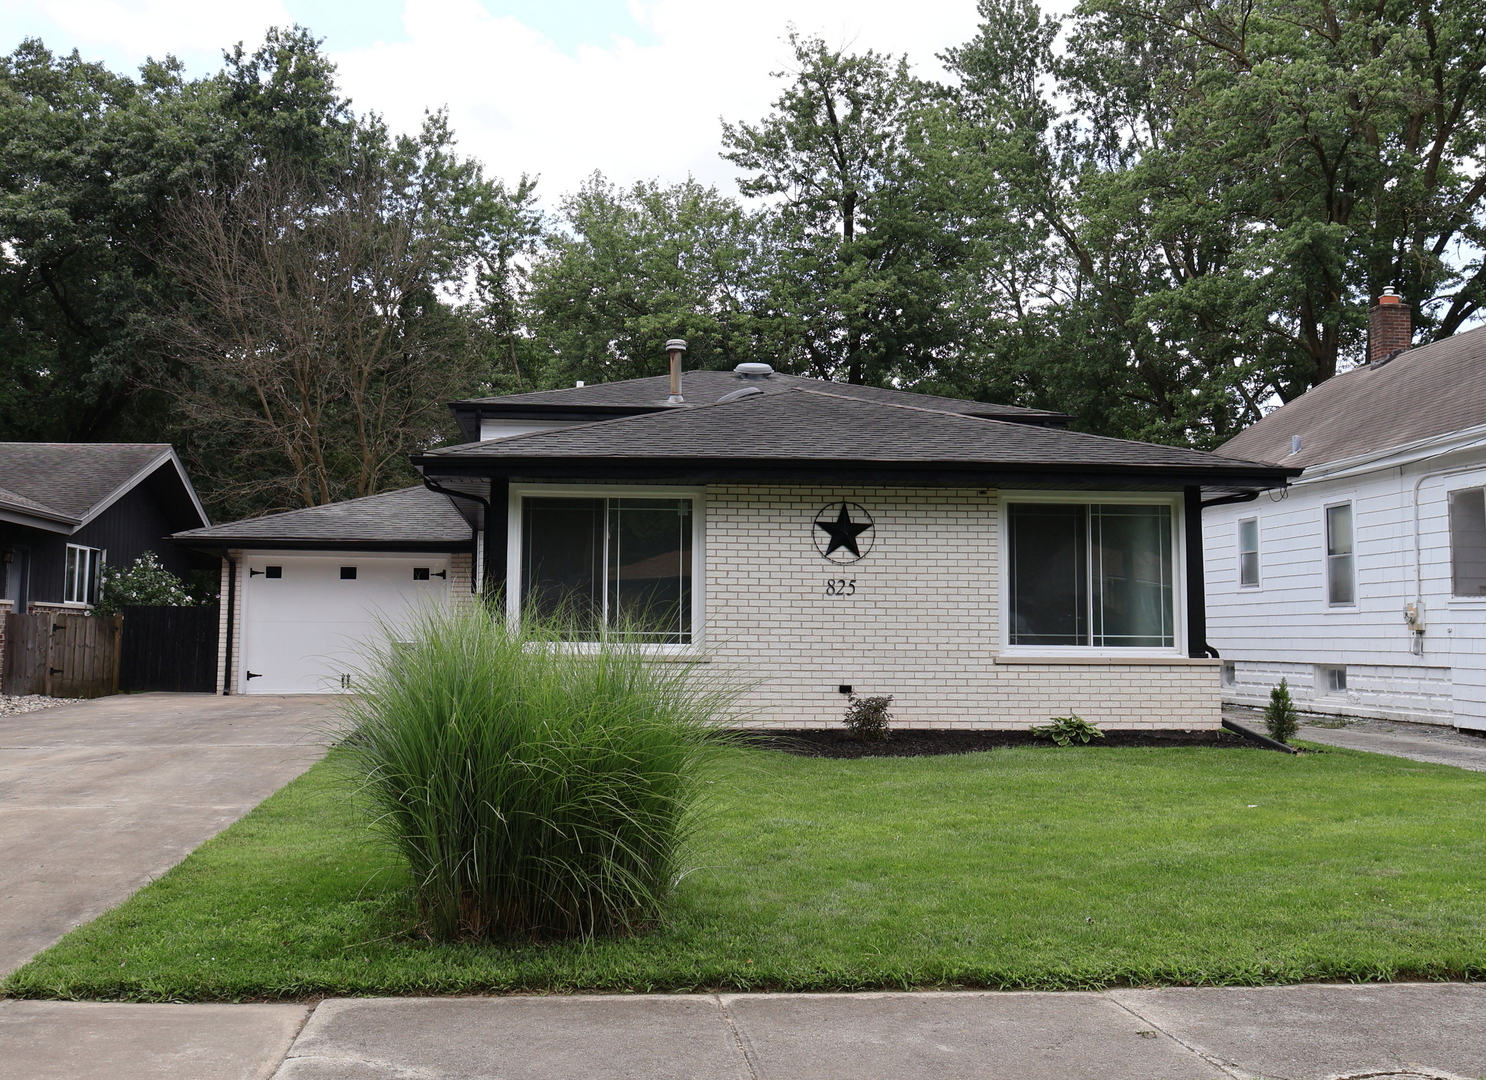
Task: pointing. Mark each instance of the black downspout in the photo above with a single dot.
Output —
(231, 619)
(496, 544)
(1197, 645)
(498, 488)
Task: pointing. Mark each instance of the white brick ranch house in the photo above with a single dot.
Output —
(981, 563)
(1363, 584)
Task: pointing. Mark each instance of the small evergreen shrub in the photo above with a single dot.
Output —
(535, 789)
(143, 582)
(867, 718)
(1065, 730)
(1280, 715)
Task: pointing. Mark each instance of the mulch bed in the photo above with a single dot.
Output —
(922, 742)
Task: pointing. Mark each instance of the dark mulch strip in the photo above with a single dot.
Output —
(921, 742)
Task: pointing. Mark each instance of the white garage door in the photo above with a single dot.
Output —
(304, 617)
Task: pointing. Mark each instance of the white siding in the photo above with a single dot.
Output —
(1285, 628)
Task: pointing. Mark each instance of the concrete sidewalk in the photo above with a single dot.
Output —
(1418, 742)
(1317, 1032)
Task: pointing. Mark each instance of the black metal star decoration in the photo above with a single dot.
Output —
(843, 532)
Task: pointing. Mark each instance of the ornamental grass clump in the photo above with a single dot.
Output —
(535, 788)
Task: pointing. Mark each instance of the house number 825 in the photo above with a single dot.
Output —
(840, 586)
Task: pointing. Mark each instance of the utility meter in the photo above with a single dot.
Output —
(1413, 617)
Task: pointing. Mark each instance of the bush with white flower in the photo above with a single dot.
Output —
(144, 583)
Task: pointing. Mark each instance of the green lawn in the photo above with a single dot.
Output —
(1038, 868)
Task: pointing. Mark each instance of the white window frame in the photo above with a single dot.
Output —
(1463, 599)
(1326, 556)
(1242, 551)
(70, 578)
(698, 497)
(1178, 569)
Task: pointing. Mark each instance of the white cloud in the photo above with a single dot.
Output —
(142, 28)
(632, 111)
(516, 100)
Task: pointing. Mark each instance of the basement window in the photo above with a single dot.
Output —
(615, 567)
(81, 575)
(1468, 542)
(1091, 575)
(1331, 679)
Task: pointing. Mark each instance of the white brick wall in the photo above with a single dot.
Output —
(922, 624)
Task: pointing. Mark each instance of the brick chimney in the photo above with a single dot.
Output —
(1390, 327)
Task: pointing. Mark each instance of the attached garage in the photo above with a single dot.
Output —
(305, 618)
(303, 592)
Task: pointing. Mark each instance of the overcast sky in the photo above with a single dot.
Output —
(551, 87)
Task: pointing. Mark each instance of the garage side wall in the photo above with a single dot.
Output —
(918, 619)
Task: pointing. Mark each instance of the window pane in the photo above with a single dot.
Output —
(562, 559)
(1468, 542)
(1248, 535)
(69, 578)
(90, 581)
(1048, 564)
(1339, 588)
(1132, 576)
(1248, 568)
(1339, 530)
(650, 569)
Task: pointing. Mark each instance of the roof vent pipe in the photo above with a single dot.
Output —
(1294, 444)
(674, 348)
(753, 371)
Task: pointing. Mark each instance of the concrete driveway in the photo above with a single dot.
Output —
(101, 797)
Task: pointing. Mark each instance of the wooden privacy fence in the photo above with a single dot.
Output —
(62, 655)
(169, 648)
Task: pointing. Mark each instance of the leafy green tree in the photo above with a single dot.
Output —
(629, 268)
(866, 263)
(1226, 188)
(88, 162)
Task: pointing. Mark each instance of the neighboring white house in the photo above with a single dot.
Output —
(982, 564)
(1364, 582)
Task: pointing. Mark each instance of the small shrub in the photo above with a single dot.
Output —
(143, 582)
(1280, 715)
(535, 790)
(867, 717)
(1067, 729)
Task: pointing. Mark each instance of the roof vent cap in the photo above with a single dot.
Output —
(747, 391)
(1294, 445)
(753, 371)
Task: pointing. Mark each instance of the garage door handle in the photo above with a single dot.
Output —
(255, 675)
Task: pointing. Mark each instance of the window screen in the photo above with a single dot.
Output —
(1468, 542)
(612, 566)
(1248, 552)
(1340, 580)
(1099, 575)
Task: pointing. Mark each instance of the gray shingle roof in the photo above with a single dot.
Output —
(811, 426)
(410, 516)
(705, 387)
(70, 479)
(1432, 390)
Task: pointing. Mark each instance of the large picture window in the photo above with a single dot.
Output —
(1341, 578)
(1097, 575)
(80, 582)
(1468, 542)
(611, 567)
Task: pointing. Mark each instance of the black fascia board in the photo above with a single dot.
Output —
(218, 544)
(908, 474)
